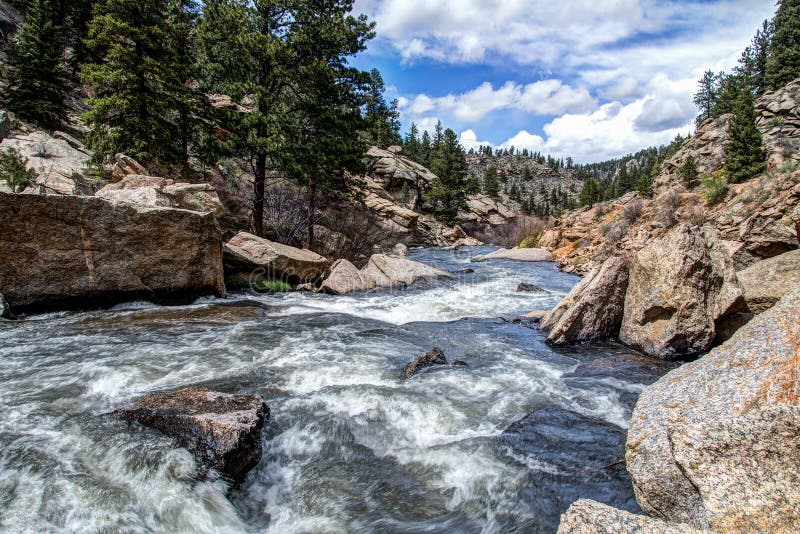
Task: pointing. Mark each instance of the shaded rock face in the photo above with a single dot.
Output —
(381, 272)
(392, 172)
(679, 287)
(596, 311)
(156, 191)
(779, 121)
(516, 254)
(434, 357)
(61, 252)
(583, 454)
(716, 442)
(591, 517)
(246, 251)
(221, 430)
(764, 238)
(767, 281)
(628, 367)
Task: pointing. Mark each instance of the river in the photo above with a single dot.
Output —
(351, 446)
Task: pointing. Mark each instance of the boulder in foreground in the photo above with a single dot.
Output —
(59, 252)
(591, 517)
(221, 430)
(247, 252)
(716, 442)
(517, 254)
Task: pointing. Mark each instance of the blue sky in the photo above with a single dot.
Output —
(587, 79)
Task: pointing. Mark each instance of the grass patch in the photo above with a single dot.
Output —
(260, 286)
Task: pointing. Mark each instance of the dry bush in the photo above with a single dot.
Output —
(286, 216)
(668, 204)
(695, 215)
(361, 233)
(632, 211)
(520, 231)
(601, 210)
(615, 231)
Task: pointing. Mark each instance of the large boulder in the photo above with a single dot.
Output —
(516, 254)
(344, 277)
(126, 165)
(591, 517)
(384, 271)
(75, 252)
(157, 191)
(247, 252)
(767, 281)
(716, 442)
(221, 430)
(597, 311)
(680, 286)
(765, 238)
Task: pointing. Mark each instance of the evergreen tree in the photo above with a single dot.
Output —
(412, 144)
(753, 63)
(425, 149)
(744, 155)
(449, 165)
(688, 172)
(706, 96)
(132, 90)
(783, 63)
(37, 82)
(728, 91)
(491, 185)
(382, 119)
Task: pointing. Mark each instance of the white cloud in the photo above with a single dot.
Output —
(525, 139)
(469, 139)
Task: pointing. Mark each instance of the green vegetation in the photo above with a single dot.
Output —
(688, 172)
(783, 62)
(715, 187)
(14, 171)
(744, 156)
(259, 286)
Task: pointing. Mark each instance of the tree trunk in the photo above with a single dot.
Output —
(258, 195)
(312, 210)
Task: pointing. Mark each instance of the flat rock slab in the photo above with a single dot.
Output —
(517, 254)
(220, 429)
(246, 251)
(591, 517)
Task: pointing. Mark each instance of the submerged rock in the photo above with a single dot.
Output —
(591, 517)
(277, 261)
(221, 430)
(517, 254)
(595, 311)
(767, 281)
(434, 357)
(60, 252)
(525, 287)
(716, 442)
(679, 288)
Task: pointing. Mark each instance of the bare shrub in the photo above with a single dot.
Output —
(286, 216)
(360, 234)
(601, 210)
(632, 211)
(517, 232)
(668, 204)
(615, 231)
(695, 215)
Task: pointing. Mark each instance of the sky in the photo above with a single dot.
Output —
(588, 79)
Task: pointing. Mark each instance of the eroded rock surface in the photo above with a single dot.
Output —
(381, 272)
(516, 254)
(591, 517)
(767, 281)
(221, 430)
(246, 251)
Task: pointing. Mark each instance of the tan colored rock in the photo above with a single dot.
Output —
(247, 251)
(765, 238)
(222, 430)
(61, 252)
(767, 281)
(125, 165)
(157, 191)
(516, 254)
(597, 312)
(383, 271)
(60, 168)
(591, 517)
(716, 442)
(679, 287)
(344, 278)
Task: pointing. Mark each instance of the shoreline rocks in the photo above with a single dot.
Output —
(68, 252)
(585, 516)
(516, 254)
(221, 430)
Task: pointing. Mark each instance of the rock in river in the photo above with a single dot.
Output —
(716, 442)
(220, 429)
(517, 254)
(61, 251)
(381, 272)
(434, 357)
(277, 261)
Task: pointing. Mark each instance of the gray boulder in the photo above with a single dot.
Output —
(591, 517)
(246, 251)
(4, 310)
(765, 237)
(680, 286)
(767, 281)
(61, 252)
(384, 271)
(221, 430)
(597, 311)
(716, 442)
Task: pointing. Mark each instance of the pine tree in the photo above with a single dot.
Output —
(37, 82)
(425, 149)
(411, 144)
(783, 64)
(744, 155)
(449, 165)
(706, 96)
(382, 119)
(688, 172)
(753, 63)
(491, 186)
(131, 102)
(728, 91)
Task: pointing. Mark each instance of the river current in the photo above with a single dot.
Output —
(351, 446)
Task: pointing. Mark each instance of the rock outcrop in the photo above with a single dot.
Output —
(221, 430)
(126, 166)
(156, 191)
(246, 252)
(596, 310)
(429, 359)
(516, 254)
(679, 287)
(77, 252)
(381, 272)
(398, 175)
(716, 442)
(591, 517)
(767, 281)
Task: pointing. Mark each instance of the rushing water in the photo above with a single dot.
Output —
(351, 446)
